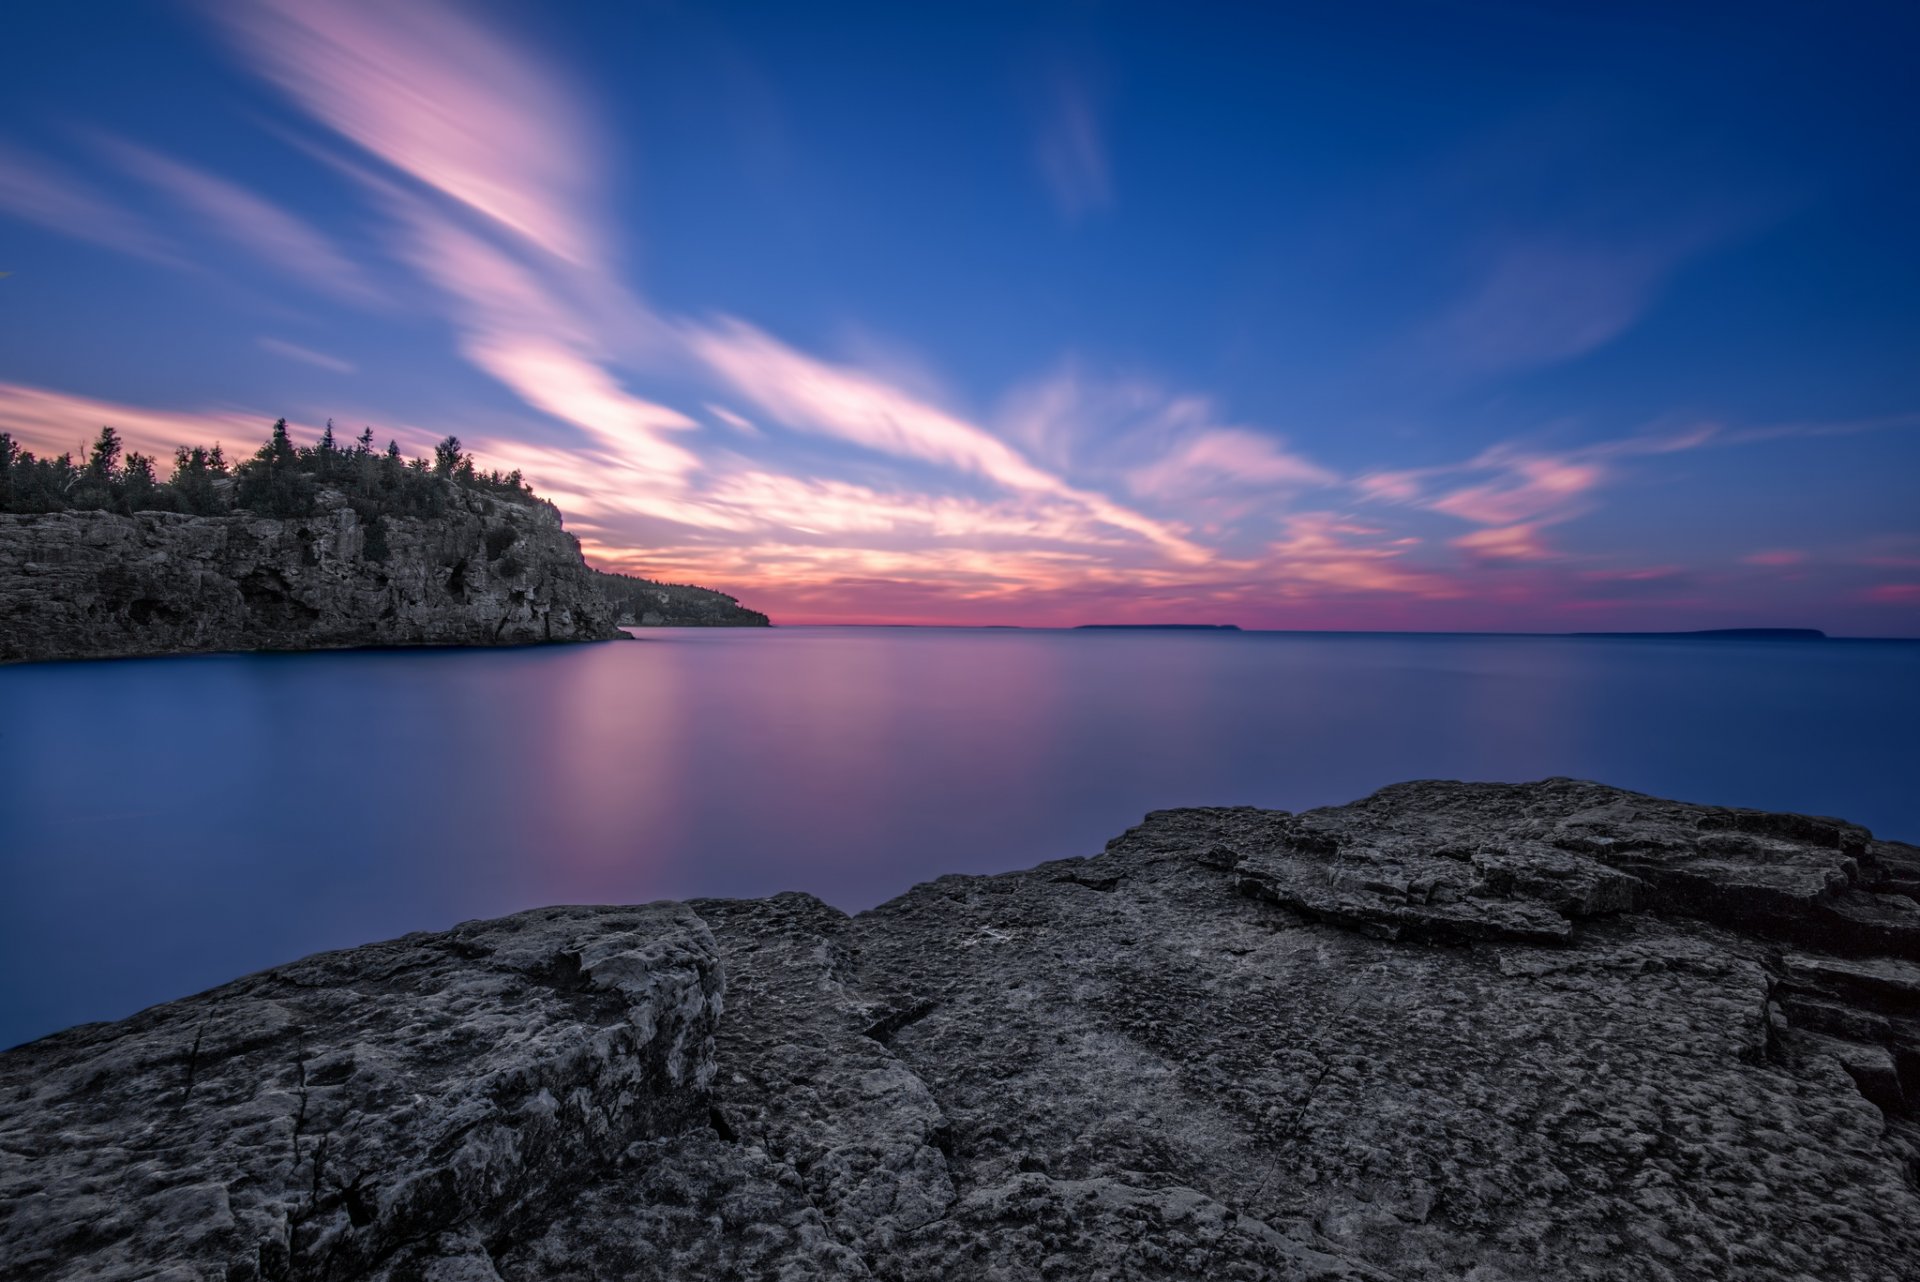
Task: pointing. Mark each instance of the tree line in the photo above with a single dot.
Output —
(281, 479)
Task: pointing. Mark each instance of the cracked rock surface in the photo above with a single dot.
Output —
(83, 585)
(1450, 1031)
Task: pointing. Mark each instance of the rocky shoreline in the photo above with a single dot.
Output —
(1449, 1031)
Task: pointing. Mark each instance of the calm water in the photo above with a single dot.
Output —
(169, 824)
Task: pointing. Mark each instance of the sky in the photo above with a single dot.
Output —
(1401, 316)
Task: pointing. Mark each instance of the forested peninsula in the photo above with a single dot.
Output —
(337, 544)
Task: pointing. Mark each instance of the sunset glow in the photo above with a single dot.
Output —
(744, 321)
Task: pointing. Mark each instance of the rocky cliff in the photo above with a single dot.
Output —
(1452, 1031)
(98, 584)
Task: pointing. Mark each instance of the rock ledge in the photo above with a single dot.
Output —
(1449, 1031)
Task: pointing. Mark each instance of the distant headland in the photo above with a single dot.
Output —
(336, 545)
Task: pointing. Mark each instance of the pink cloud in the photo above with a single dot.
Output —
(1530, 488)
(807, 394)
(441, 98)
(1893, 594)
(1323, 551)
(1229, 456)
(1505, 543)
(1776, 557)
(550, 377)
(1521, 485)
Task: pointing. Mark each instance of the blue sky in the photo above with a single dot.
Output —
(1423, 315)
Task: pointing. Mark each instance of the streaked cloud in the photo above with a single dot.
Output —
(305, 355)
(273, 235)
(1553, 295)
(1327, 552)
(808, 394)
(1517, 489)
(439, 97)
(1226, 457)
(852, 482)
(41, 192)
(1505, 543)
(738, 423)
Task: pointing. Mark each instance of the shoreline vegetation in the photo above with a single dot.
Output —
(338, 544)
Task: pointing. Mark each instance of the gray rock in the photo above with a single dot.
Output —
(99, 584)
(1451, 1031)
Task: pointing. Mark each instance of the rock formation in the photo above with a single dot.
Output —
(1452, 1031)
(99, 584)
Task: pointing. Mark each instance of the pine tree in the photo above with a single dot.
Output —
(103, 463)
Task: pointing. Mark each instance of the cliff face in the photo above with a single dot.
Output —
(1502, 1032)
(98, 584)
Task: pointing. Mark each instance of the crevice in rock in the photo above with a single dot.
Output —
(1105, 884)
(882, 1030)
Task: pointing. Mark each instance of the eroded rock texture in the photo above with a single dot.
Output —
(99, 584)
(1451, 1031)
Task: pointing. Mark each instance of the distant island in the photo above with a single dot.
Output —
(1722, 634)
(329, 546)
(1157, 627)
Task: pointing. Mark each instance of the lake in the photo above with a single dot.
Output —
(169, 824)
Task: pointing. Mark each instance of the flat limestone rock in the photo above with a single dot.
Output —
(1551, 1030)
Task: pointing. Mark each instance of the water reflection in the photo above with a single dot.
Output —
(169, 824)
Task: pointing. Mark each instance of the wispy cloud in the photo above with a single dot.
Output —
(1550, 296)
(1071, 153)
(41, 192)
(1505, 543)
(737, 422)
(808, 394)
(306, 355)
(270, 233)
(1226, 457)
(441, 98)
(1325, 551)
(1539, 303)
(715, 449)
(1517, 490)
